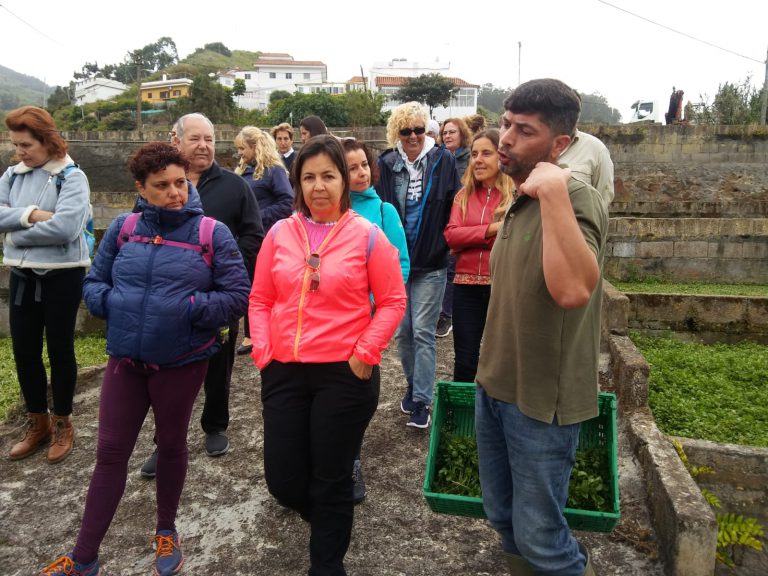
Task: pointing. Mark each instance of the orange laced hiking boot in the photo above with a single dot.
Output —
(66, 566)
(37, 433)
(168, 556)
(62, 438)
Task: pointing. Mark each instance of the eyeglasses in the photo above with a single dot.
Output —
(450, 132)
(313, 261)
(419, 130)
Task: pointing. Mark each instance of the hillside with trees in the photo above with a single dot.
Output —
(18, 89)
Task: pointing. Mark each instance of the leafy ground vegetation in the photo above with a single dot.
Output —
(697, 288)
(714, 392)
(90, 351)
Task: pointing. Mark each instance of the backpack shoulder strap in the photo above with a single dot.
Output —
(205, 237)
(126, 230)
(61, 176)
(11, 177)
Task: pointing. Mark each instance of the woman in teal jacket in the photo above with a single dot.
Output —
(363, 174)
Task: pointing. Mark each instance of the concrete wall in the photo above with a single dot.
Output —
(688, 249)
(736, 316)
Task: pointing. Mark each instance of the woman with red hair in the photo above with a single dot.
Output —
(44, 207)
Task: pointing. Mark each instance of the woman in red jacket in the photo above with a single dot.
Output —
(475, 218)
(318, 346)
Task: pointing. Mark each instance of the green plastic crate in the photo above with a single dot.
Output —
(454, 408)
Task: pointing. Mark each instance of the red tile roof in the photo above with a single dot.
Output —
(272, 62)
(400, 80)
(357, 80)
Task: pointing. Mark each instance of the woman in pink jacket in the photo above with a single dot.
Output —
(318, 346)
(475, 218)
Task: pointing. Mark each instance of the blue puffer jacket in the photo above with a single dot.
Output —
(273, 192)
(163, 304)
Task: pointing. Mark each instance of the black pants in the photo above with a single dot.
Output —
(45, 304)
(314, 419)
(470, 307)
(215, 417)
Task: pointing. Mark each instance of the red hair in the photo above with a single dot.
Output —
(39, 123)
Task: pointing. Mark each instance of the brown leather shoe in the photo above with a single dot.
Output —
(62, 438)
(37, 433)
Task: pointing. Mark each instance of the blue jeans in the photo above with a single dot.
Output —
(525, 466)
(416, 334)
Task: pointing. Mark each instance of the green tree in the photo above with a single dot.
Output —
(88, 71)
(431, 89)
(492, 98)
(239, 87)
(734, 103)
(330, 108)
(118, 121)
(364, 108)
(595, 108)
(219, 48)
(210, 98)
(59, 98)
(279, 95)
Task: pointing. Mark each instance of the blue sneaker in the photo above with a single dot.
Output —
(168, 556)
(420, 416)
(407, 405)
(66, 566)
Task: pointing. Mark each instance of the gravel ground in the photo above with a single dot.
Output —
(231, 525)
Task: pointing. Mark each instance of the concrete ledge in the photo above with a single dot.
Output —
(684, 522)
(740, 481)
(733, 315)
(630, 374)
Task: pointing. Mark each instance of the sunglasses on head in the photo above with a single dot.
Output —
(419, 130)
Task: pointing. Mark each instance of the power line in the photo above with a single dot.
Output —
(20, 19)
(681, 33)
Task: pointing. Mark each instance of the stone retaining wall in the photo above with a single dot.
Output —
(736, 316)
(688, 249)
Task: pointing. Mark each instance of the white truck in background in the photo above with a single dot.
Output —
(652, 110)
(646, 111)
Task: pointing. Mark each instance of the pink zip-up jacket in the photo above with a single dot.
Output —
(466, 235)
(291, 323)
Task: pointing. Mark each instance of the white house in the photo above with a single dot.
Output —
(462, 104)
(94, 89)
(388, 77)
(274, 71)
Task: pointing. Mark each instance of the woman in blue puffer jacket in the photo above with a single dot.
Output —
(164, 303)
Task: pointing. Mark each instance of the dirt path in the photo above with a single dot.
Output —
(232, 526)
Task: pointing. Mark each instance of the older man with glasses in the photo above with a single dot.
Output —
(419, 178)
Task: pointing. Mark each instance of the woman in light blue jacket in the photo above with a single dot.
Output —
(363, 174)
(44, 207)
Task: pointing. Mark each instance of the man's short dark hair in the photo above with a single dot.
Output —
(557, 105)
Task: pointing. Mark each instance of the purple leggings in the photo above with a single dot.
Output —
(127, 393)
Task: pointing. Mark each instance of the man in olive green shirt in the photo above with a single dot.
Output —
(537, 375)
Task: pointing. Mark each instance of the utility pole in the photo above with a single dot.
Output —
(764, 104)
(137, 58)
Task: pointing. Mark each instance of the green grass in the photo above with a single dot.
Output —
(693, 288)
(715, 392)
(90, 351)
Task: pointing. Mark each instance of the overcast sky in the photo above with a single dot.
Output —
(592, 45)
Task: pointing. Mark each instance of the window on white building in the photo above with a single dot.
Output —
(465, 97)
(273, 74)
(247, 76)
(306, 75)
(288, 75)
